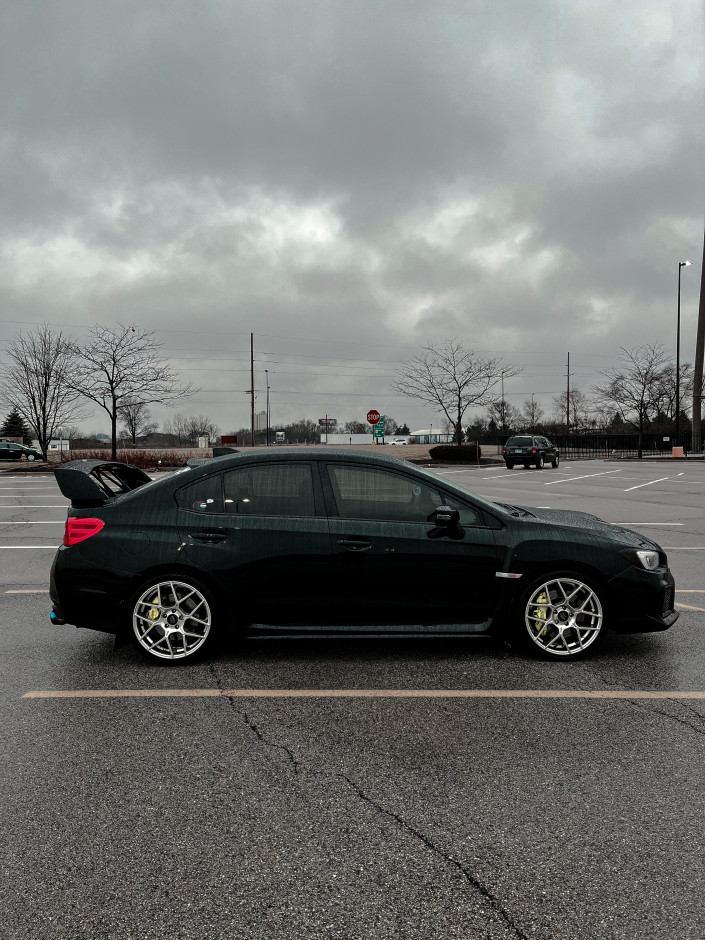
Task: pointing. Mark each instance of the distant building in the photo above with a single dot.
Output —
(260, 420)
(430, 436)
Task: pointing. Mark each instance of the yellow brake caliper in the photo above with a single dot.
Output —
(541, 613)
(153, 613)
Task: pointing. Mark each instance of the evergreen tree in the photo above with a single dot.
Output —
(16, 426)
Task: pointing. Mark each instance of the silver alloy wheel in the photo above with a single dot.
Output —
(563, 616)
(30, 457)
(171, 620)
(539, 462)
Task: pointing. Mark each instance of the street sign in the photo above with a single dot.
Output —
(330, 422)
(373, 417)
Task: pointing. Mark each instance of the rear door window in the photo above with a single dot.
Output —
(270, 490)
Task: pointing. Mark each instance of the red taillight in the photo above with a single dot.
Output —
(533, 450)
(77, 530)
(504, 450)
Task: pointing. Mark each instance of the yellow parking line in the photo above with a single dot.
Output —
(33, 591)
(367, 693)
(688, 607)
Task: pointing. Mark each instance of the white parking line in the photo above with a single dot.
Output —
(43, 506)
(647, 523)
(48, 547)
(44, 522)
(585, 477)
(650, 483)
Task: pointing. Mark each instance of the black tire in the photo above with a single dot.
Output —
(510, 464)
(562, 615)
(540, 462)
(526, 466)
(556, 460)
(31, 457)
(171, 620)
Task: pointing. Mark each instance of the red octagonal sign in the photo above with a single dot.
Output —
(373, 417)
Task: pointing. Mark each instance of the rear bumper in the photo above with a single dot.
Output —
(86, 596)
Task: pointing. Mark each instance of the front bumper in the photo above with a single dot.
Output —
(643, 601)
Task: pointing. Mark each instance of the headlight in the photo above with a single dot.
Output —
(648, 559)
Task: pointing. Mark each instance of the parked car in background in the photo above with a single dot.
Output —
(11, 451)
(298, 541)
(530, 450)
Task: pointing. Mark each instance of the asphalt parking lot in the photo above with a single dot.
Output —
(360, 788)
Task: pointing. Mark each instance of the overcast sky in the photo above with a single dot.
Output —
(350, 180)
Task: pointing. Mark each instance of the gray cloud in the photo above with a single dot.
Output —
(357, 178)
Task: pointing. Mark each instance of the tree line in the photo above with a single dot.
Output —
(639, 394)
(49, 379)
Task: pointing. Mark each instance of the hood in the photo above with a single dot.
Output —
(569, 518)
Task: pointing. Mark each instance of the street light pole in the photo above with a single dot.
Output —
(681, 264)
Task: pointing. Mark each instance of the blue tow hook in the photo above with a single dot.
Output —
(55, 619)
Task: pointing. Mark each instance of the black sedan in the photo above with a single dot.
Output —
(317, 539)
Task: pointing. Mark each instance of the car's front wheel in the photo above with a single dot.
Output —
(556, 460)
(563, 614)
(31, 457)
(172, 621)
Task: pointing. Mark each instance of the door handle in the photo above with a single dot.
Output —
(209, 535)
(355, 545)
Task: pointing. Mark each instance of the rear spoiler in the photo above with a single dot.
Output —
(89, 483)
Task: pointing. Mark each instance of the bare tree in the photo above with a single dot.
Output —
(135, 416)
(452, 378)
(631, 389)
(39, 381)
(201, 426)
(532, 413)
(504, 415)
(580, 409)
(121, 365)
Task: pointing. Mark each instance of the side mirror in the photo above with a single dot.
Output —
(444, 517)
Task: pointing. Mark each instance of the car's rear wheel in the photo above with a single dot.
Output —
(556, 460)
(540, 462)
(564, 614)
(510, 464)
(172, 621)
(31, 457)
(526, 466)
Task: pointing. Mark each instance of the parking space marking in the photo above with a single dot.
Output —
(48, 547)
(43, 522)
(366, 693)
(29, 591)
(688, 607)
(584, 477)
(647, 523)
(650, 483)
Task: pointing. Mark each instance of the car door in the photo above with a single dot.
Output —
(393, 566)
(261, 531)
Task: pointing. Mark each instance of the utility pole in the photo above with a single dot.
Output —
(567, 402)
(266, 375)
(252, 389)
(697, 441)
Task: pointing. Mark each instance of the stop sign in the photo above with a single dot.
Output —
(373, 417)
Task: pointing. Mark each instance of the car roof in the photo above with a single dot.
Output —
(287, 454)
